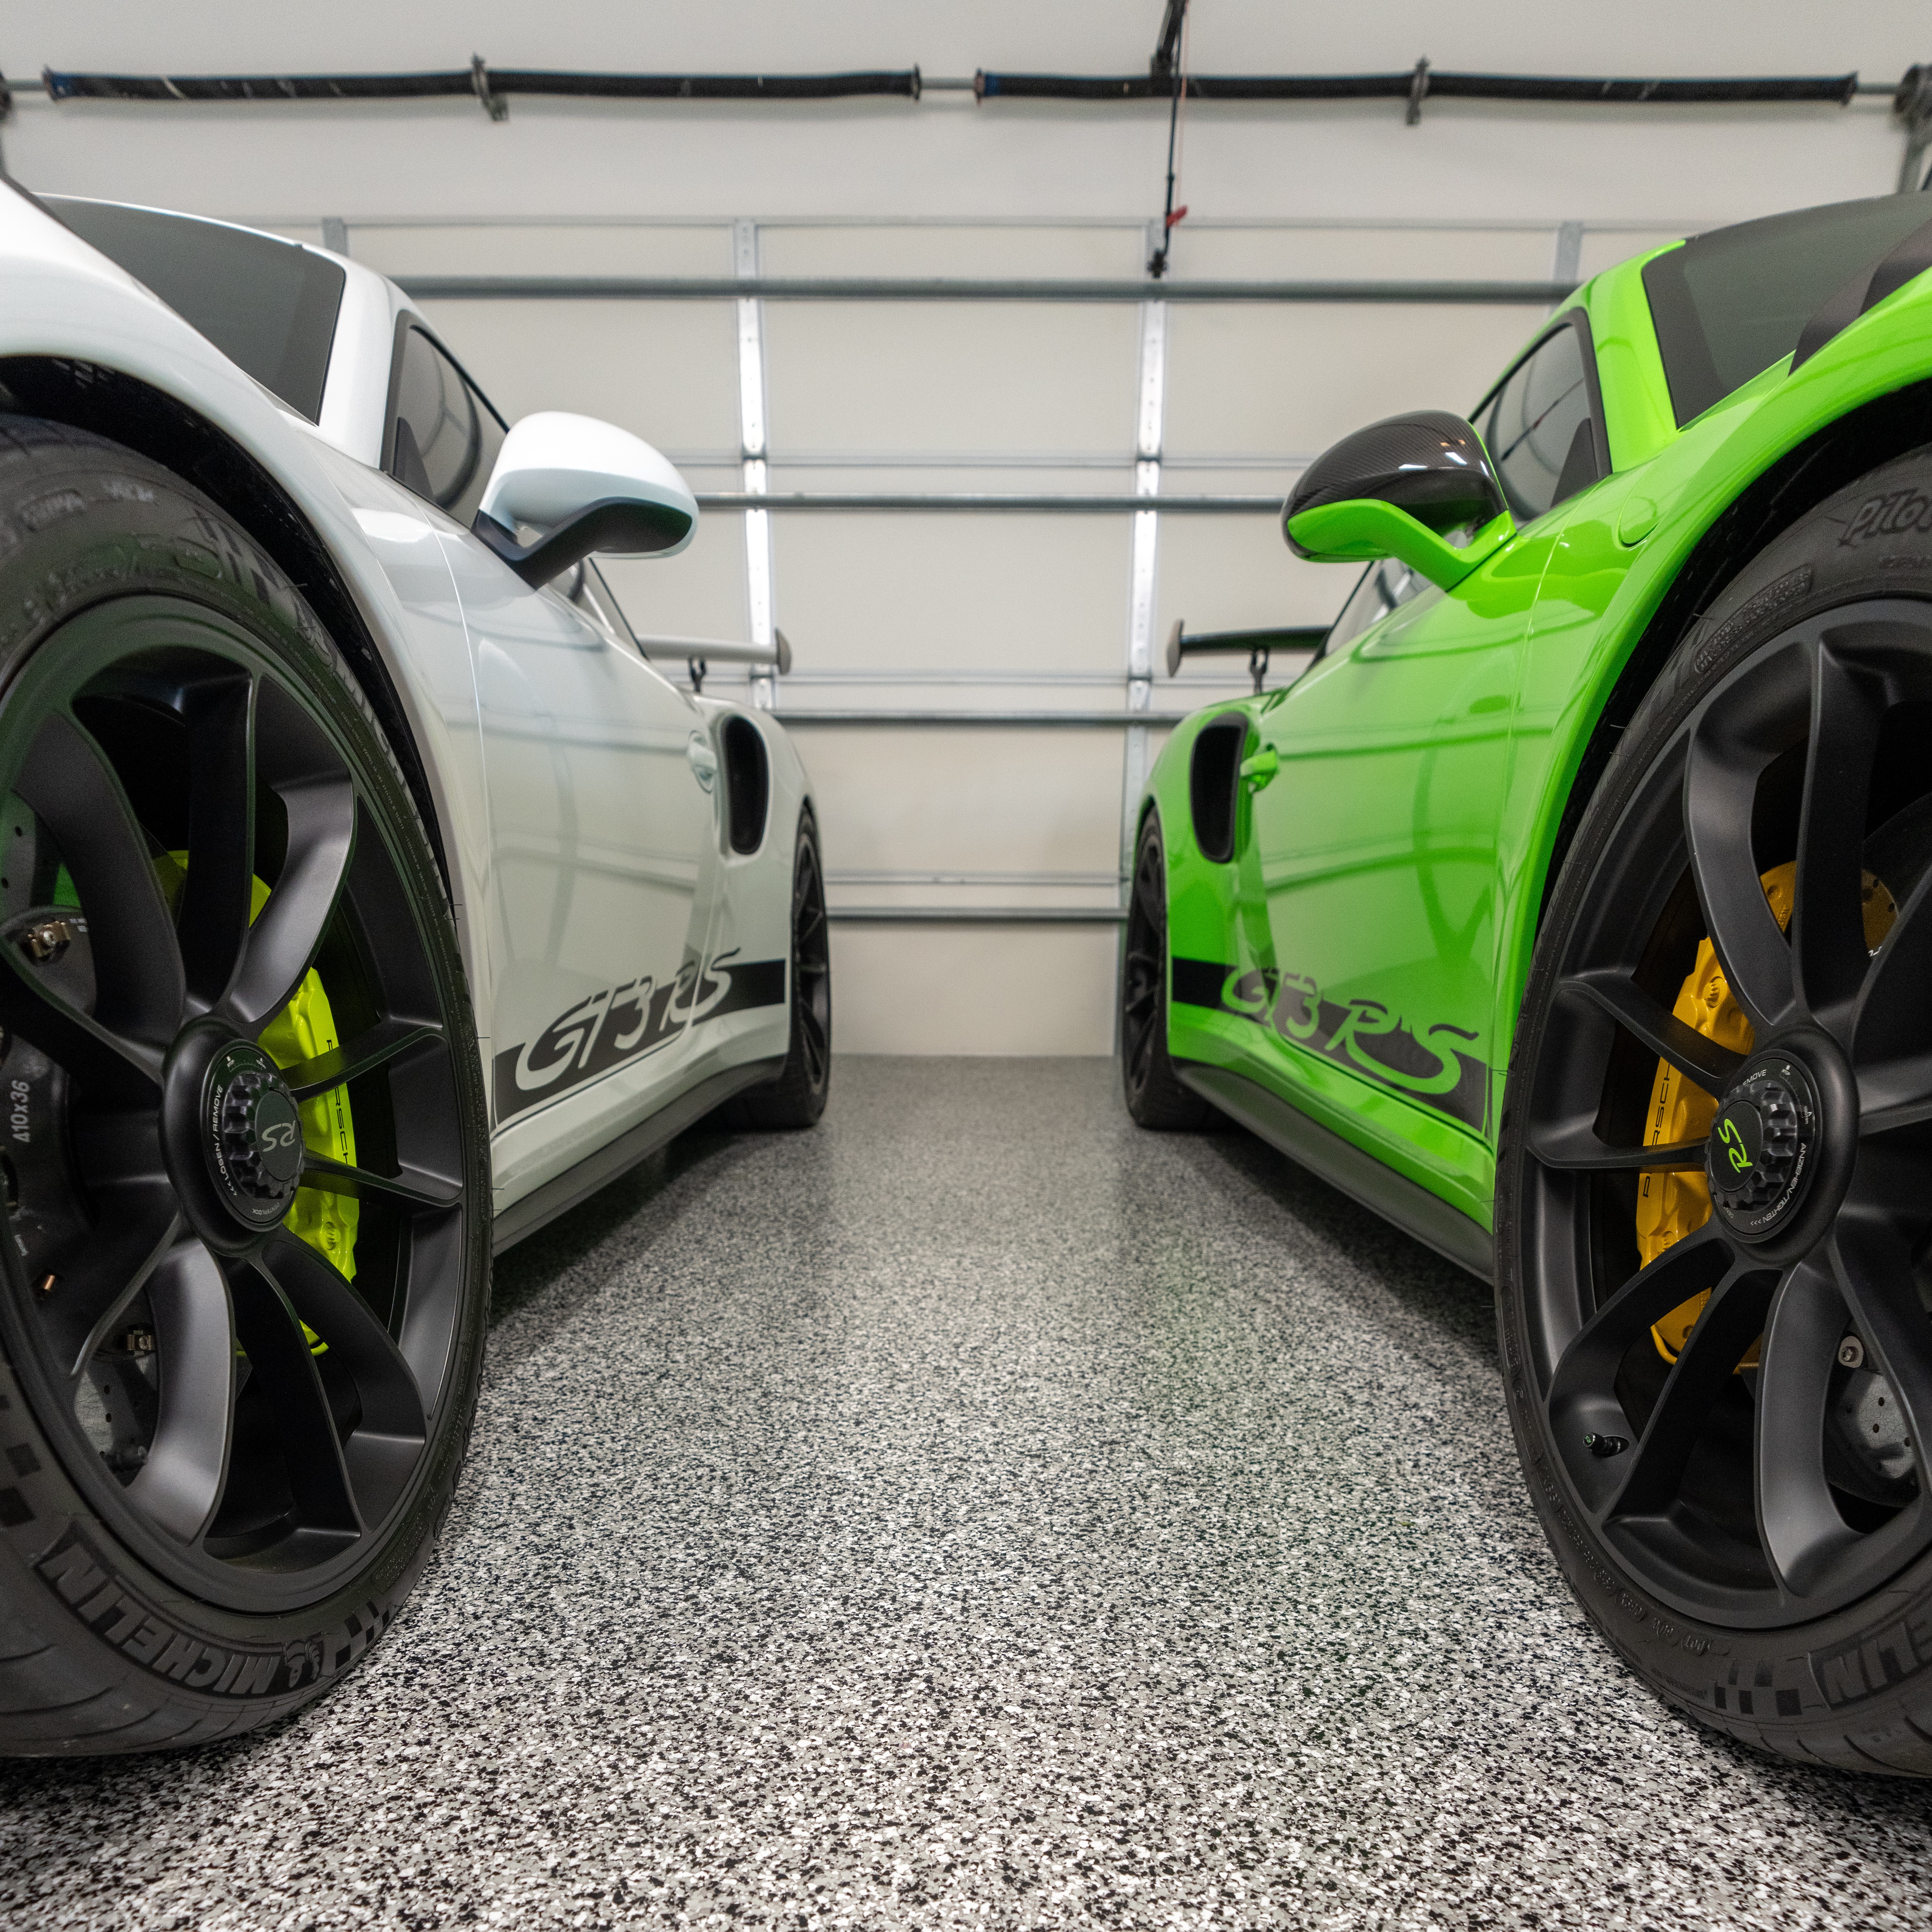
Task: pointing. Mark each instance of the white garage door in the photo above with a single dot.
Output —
(974, 670)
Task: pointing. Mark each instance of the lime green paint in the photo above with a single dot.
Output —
(1638, 419)
(1392, 870)
(1363, 530)
(1636, 519)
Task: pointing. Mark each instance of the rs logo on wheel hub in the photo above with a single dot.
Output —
(1760, 1157)
(253, 1134)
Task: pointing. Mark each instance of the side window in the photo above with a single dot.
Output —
(444, 437)
(1538, 430)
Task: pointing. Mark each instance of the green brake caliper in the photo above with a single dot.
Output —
(304, 1028)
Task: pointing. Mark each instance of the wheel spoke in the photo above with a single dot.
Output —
(138, 1230)
(1829, 956)
(217, 896)
(1732, 1319)
(1893, 1023)
(1802, 1530)
(279, 1359)
(412, 1186)
(1655, 1028)
(180, 1485)
(388, 1436)
(1575, 1146)
(67, 781)
(109, 1065)
(384, 1042)
(282, 943)
(392, 1403)
(1588, 1364)
(1720, 787)
(1894, 1093)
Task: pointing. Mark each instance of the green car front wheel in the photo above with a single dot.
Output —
(1714, 1202)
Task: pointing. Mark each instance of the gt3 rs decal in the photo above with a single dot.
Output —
(627, 1022)
(1429, 1065)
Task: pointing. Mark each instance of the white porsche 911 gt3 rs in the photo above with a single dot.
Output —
(366, 898)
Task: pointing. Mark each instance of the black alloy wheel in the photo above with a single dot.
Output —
(1155, 1097)
(246, 1164)
(1739, 1485)
(797, 1097)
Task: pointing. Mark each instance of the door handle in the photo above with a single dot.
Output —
(1259, 768)
(704, 760)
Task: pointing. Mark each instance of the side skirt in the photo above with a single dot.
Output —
(1413, 1209)
(576, 1183)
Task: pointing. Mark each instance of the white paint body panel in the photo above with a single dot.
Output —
(564, 773)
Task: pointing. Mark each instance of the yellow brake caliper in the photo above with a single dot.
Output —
(1671, 1205)
(304, 1028)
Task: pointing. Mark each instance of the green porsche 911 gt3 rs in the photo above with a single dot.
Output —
(1574, 910)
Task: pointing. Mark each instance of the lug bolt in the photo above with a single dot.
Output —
(48, 941)
(1851, 1353)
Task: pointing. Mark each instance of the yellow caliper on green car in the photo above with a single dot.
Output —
(1671, 1205)
(304, 1028)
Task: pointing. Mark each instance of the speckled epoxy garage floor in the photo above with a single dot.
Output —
(977, 1513)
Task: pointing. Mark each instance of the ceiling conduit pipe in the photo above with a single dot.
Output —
(1422, 78)
(482, 81)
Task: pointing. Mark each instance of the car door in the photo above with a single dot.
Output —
(1375, 845)
(601, 778)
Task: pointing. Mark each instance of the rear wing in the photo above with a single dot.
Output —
(700, 654)
(1257, 644)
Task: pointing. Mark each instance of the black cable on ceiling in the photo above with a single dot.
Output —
(1433, 82)
(481, 82)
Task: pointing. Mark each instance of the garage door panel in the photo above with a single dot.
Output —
(700, 592)
(550, 248)
(981, 798)
(1320, 253)
(905, 592)
(1290, 380)
(972, 989)
(666, 371)
(1231, 573)
(967, 377)
(942, 250)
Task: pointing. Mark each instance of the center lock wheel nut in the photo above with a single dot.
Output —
(1758, 1157)
(253, 1135)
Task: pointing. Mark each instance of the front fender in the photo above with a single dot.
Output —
(59, 298)
(1639, 555)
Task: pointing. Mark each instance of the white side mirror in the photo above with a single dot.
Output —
(586, 486)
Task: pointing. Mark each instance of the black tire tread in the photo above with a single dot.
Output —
(1162, 1104)
(791, 1101)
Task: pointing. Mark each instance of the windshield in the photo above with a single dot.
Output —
(1728, 304)
(267, 304)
